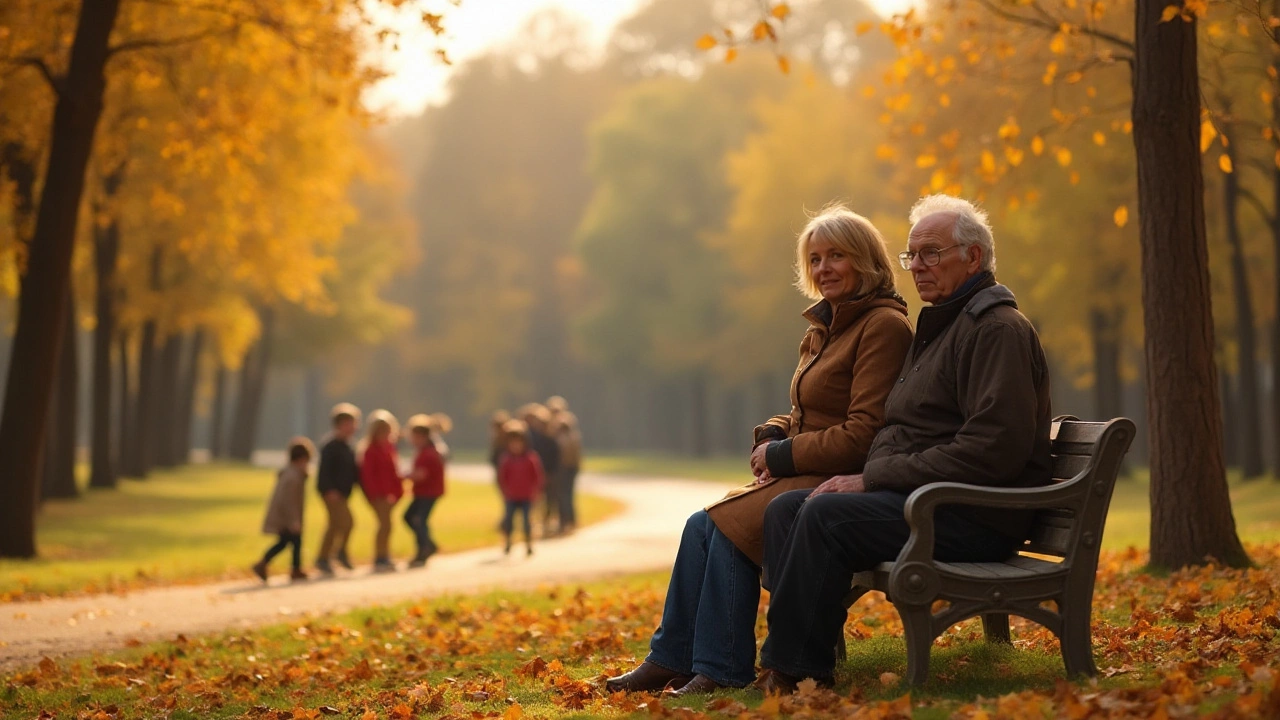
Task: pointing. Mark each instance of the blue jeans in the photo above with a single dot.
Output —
(415, 516)
(524, 507)
(708, 622)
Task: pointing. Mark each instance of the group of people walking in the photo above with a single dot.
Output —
(536, 456)
(537, 453)
(374, 465)
(877, 411)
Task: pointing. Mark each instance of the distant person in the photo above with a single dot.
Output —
(538, 419)
(850, 357)
(497, 439)
(521, 477)
(380, 479)
(337, 476)
(428, 487)
(564, 428)
(440, 425)
(284, 511)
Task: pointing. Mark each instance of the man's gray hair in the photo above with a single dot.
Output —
(971, 228)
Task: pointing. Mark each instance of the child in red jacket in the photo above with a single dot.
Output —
(380, 479)
(521, 478)
(428, 486)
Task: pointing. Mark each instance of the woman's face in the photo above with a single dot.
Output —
(832, 271)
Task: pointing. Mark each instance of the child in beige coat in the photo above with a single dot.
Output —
(284, 511)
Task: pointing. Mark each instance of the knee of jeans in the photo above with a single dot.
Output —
(784, 506)
(697, 523)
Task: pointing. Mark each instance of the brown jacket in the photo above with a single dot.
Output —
(971, 405)
(287, 501)
(849, 360)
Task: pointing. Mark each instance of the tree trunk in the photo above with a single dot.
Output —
(1249, 407)
(106, 252)
(1191, 520)
(144, 403)
(700, 418)
(41, 309)
(166, 395)
(1107, 387)
(1275, 326)
(216, 438)
(60, 446)
(189, 379)
(126, 408)
(253, 383)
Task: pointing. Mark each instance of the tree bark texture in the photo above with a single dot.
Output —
(60, 445)
(42, 308)
(1191, 519)
(106, 253)
(1275, 326)
(1248, 426)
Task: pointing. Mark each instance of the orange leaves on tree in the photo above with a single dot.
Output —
(1207, 134)
(1224, 163)
(706, 42)
(1121, 216)
(781, 11)
(863, 28)
(1063, 156)
(784, 64)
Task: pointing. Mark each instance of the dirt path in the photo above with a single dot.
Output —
(641, 538)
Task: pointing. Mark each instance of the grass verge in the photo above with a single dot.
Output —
(202, 522)
(1196, 642)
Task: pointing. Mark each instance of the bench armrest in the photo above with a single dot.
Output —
(913, 578)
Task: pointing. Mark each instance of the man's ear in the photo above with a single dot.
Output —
(974, 255)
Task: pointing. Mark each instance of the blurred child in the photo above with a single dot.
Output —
(521, 478)
(440, 425)
(284, 511)
(428, 486)
(337, 476)
(497, 438)
(381, 481)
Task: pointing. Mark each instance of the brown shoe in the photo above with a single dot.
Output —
(260, 569)
(647, 677)
(699, 685)
(772, 682)
(297, 575)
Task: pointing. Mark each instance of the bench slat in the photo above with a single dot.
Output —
(1078, 432)
(1066, 467)
(1000, 571)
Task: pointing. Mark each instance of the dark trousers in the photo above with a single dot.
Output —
(524, 507)
(814, 547)
(416, 516)
(286, 538)
(564, 492)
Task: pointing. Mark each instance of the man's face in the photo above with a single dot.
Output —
(345, 428)
(937, 283)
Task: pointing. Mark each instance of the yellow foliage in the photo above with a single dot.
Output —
(706, 42)
(780, 11)
(1207, 133)
(1224, 163)
(1063, 156)
(1099, 138)
(1121, 216)
(1037, 146)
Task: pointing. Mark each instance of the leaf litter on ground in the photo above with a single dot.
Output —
(1197, 642)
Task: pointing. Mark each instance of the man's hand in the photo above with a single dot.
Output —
(764, 477)
(758, 465)
(841, 484)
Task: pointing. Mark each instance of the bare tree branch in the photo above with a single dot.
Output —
(55, 82)
(154, 43)
(1053, 26)
(1257, 204)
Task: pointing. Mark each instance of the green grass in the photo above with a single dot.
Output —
(202, 522)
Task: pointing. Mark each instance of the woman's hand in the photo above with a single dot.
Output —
(758, 465)
(841, 484)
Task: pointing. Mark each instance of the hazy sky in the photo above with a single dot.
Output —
(417, 78)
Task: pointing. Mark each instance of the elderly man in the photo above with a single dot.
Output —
(970, 405)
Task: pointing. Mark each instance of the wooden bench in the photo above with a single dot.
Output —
(1068, 528)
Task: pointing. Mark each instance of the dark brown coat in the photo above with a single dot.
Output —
(849, 360)
(971, 405)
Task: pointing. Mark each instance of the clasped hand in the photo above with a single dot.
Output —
(759, 468)
(841, 484)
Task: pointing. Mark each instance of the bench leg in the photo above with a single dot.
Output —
(1077, 641)
(917, 625)
(996, 627)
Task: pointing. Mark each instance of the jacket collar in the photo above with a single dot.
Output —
(821, 315)
(981, 295)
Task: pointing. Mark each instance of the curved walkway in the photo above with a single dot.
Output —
(643, 537)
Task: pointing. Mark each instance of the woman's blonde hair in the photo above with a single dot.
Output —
(858, 238)
(379, 421)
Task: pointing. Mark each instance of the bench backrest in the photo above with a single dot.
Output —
(1088, 454)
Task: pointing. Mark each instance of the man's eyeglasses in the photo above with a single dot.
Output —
(929, 256)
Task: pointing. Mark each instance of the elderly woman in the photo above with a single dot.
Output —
(849, 358)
